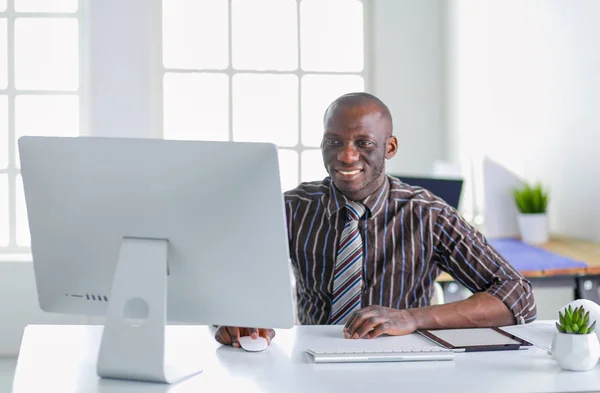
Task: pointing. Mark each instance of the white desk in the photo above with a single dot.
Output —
(62, 359)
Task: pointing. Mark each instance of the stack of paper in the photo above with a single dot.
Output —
(539, 333)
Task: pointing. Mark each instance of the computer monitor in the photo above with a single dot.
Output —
(157, 230)
(447, 189)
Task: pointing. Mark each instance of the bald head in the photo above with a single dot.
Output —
(361, 102)
(357, 140)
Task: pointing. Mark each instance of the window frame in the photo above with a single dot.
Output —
(230, 72)
(11, 92)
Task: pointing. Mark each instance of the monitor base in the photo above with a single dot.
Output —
(133, 340)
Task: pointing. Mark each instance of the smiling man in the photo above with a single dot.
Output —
(366, 248)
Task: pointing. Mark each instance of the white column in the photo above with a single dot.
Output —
(121, 68)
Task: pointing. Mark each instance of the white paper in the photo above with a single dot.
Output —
(539, 333)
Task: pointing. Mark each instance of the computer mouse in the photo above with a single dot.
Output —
(253, 345)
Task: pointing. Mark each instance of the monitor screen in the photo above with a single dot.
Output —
(447, 189)
(217, 205)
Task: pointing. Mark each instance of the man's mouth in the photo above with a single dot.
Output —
(346, 174)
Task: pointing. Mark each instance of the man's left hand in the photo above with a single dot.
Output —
(373, 321)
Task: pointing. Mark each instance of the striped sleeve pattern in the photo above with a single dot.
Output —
(409, 237)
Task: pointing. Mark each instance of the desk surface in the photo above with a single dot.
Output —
(576, 249)
(63, 358)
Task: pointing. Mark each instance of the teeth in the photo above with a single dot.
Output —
(350, 173)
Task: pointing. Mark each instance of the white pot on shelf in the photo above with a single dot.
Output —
(534, 228)
(576, 352)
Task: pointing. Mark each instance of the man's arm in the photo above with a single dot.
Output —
(463, 252)
(479, 310)
(502, 296)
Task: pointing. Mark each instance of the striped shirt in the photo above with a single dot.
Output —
(409, 236)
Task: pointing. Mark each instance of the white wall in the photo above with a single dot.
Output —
(124, 87)
(407, 73)
(122, 102)
(523, 87)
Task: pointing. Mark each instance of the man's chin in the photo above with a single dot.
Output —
(347, 186)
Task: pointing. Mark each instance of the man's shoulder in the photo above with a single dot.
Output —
(308, 191)
(417, 196)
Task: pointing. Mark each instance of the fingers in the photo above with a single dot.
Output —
(222, 336)
(383, 328)
(253, 332)
(350, 321)
(234, 332)
(373, 321)
(357, 319)
(368, 323)
(230, 335)
(362, 322)
(268, 334)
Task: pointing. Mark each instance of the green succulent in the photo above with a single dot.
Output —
(575, 321)
(531, 200)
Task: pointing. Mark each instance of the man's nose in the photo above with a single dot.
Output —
(348, 154)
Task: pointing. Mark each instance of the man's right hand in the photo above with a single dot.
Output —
(230, 335)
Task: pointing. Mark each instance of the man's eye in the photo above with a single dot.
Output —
(366, 144)
(331, 142)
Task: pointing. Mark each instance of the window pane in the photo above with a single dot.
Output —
(46, 5)
(23, 238)
(312, 166)
(3, 55)
(3, 210)
(46, 116)
(46, 54)
(265, 108)
(2, 5)
(3, 132)
(195, 34)
(318, 91)
(288, 169)
(196, 106)
(255, 45)
(332, 35)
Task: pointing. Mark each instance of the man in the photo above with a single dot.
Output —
(367, 248)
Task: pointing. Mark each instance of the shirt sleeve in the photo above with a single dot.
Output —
(464, 253)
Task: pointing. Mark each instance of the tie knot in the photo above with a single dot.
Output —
(355, 210)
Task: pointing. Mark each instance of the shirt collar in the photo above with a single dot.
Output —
(374, 202)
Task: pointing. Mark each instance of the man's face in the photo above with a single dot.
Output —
(356, 142)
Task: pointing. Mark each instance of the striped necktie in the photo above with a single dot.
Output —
(347, 278)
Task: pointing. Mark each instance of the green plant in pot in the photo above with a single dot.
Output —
(532, 202)
(575, 346)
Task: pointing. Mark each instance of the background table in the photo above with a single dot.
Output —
(582, 274)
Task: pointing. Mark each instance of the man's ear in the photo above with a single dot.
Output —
(391, 147)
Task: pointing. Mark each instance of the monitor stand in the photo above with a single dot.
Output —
(135, 349)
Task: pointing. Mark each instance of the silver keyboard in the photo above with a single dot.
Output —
(406, 354)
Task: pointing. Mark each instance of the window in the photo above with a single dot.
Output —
(39, 94)
(261, 70)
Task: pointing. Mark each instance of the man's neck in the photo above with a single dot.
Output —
(365, 192)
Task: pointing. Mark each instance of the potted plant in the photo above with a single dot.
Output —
(532, 202)
(575, 346)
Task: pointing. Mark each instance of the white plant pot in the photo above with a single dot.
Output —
(534, 228)
(576, 352)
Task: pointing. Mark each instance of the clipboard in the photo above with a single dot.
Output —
(475, 339)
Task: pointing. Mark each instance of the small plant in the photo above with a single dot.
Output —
(575, 321)
(531, 200)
